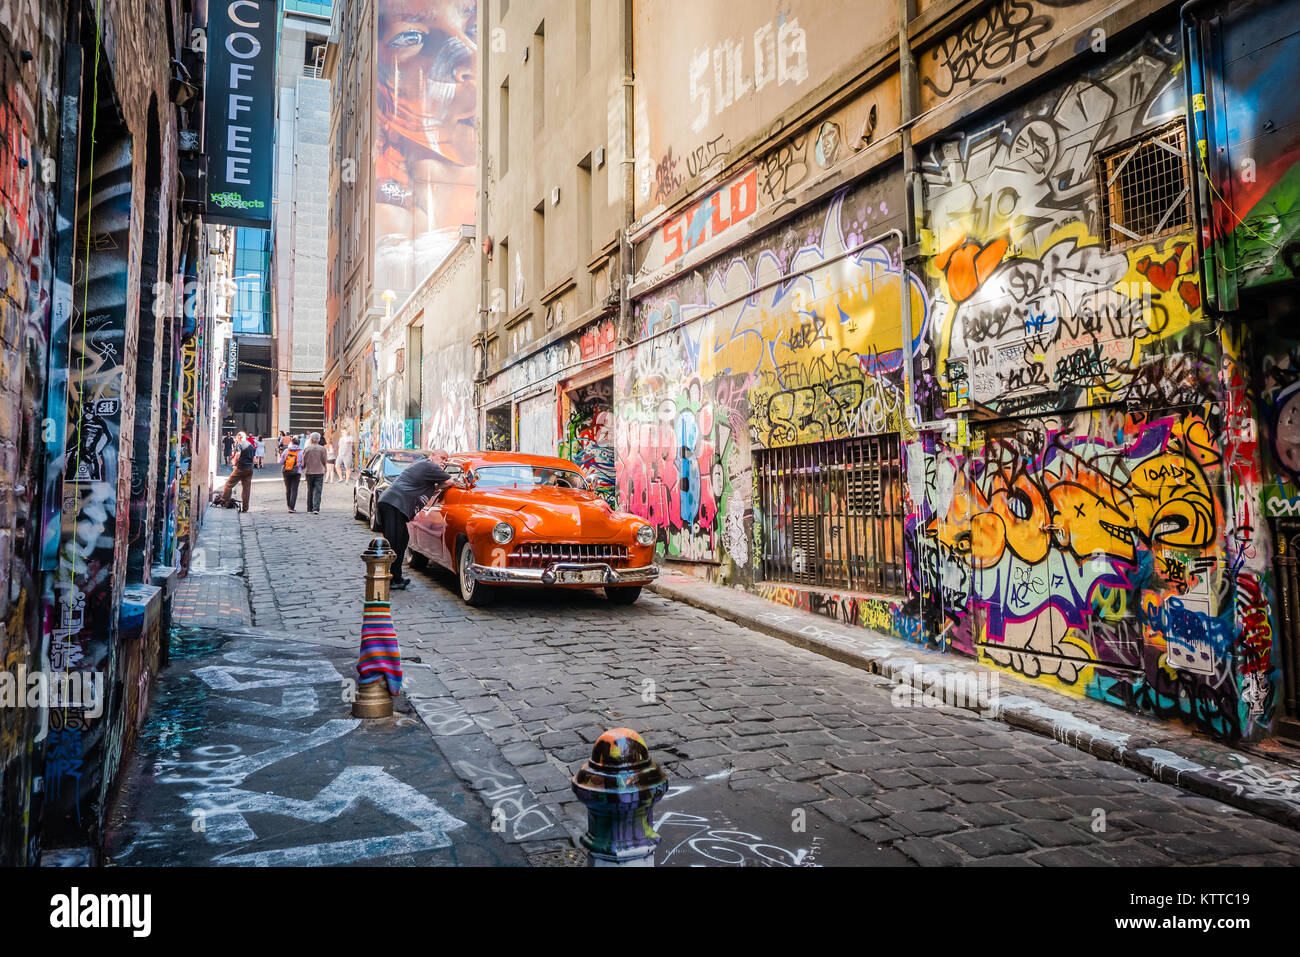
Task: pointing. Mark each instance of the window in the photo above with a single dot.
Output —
(503, 129)
(539, 77)
(832, 514)
(1143, 187)
(583, 214)
(582, 38)
(397, 463)
(251, 310)
(505, 301)
(539, 246)
(526, 476)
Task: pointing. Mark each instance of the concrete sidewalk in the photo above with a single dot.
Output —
(1244, 776)
(250, 754)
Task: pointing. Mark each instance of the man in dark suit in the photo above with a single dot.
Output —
(406, 496)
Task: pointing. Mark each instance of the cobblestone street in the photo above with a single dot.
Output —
(776, 755)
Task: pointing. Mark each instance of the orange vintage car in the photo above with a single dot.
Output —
(515, 519)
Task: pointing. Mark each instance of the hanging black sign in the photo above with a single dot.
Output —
(239, 112)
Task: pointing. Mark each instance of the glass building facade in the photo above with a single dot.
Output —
(251, 310)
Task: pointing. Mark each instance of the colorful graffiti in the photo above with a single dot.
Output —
(588, 439)
(92, 560)
(1102, 534)
(813, 352)
(1253, 227)
(885, 615)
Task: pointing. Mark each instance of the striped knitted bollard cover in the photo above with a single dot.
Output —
(380, 658)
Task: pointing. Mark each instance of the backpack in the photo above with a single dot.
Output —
(291, 460)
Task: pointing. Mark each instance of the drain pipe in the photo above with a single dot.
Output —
(627, 165)
(915, 201)
(485, 292)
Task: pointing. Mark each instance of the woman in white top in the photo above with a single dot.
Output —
(261, 451)
(343, 460)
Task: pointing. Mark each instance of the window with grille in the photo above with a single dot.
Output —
(1144, 187)
(832, 514)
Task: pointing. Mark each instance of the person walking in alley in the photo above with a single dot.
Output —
(343, 461)
(406, 496)
(227, 446)
(291, 463)
(261, 450)
(331, 471)
(315, 460)
(241, 460)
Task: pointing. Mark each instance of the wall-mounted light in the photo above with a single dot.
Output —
(555, 196)
(600, 156)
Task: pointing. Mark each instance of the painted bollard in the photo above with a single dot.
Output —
(379, 663)
(619, 786)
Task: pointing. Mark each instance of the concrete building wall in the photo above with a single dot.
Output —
(310, 225)
(554, 204)
(447, 310)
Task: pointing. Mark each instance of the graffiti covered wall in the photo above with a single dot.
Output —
(1099, 528)
(29, 128)
(1088, 491)
(813, 353)
(450, 361)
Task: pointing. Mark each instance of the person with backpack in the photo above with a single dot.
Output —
(291, 463)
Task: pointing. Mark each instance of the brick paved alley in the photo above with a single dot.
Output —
(757, 736)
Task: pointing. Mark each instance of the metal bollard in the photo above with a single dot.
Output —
(378, 660)
(620, 785)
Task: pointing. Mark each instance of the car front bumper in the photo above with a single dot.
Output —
(558, 572)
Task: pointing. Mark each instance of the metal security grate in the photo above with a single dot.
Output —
(1143, 185)
(832, 514)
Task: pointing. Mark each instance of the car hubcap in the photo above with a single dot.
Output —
(466, 579)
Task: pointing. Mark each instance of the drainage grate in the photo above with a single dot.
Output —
(569, 857)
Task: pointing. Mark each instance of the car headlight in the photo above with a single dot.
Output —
(502, 532)
(645, 535)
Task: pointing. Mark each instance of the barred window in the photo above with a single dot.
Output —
(832, 514)
(1143, 187)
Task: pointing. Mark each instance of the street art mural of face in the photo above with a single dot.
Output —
(425, 104)
(1101, 534)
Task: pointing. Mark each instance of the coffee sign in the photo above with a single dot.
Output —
(239, 112)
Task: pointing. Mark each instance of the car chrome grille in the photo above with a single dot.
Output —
(541, 554)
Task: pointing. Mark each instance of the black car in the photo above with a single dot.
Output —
(375, 476)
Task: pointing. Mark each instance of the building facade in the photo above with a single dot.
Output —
(919, 339)
(556, 143)
(298, 244)
(402, 189)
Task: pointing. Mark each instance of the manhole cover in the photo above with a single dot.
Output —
(568, 857)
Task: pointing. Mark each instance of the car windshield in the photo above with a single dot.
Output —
(528, 476)
(395, 464)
